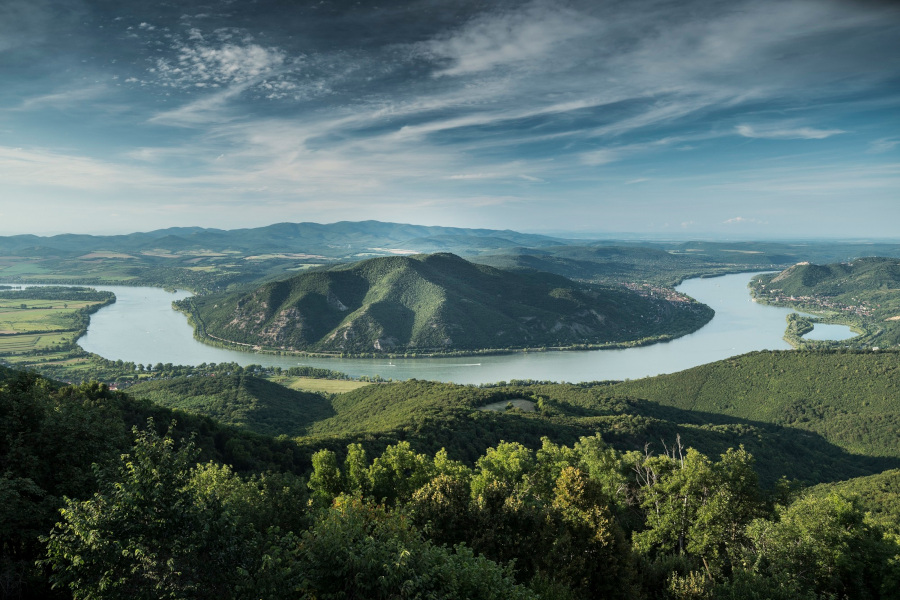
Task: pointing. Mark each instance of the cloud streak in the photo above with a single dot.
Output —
(800, 133)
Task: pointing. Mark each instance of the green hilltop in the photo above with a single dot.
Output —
(437, 303)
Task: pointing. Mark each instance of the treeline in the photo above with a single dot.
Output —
(74, 294)
(130, 372)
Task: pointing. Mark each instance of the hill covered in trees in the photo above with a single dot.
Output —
(849, 397)
(839, 423)
(862, 293)
(440, 303)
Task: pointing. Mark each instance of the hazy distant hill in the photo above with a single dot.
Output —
(864, 293)
(436, 302)
(601, 263)
(667, 263)
(341, 239)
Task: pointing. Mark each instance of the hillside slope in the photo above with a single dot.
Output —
(850, 398)
(437, 302)
(433, 415)
(241, 400)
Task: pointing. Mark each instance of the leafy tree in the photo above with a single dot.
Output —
(356, 470)
(399, 472)
(358, 550)
(696, 507)
(504, 466)
(827, 546)
(163, 528)
(326, 480)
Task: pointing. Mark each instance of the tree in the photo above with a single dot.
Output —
(326, 480)
(827, 547)
(399, 472)
(697, 509)
(146, 534)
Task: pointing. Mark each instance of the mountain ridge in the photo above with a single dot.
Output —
(436, 302)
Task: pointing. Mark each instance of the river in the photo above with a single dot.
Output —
(142, 327)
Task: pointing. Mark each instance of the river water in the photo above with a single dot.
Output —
(142, 327)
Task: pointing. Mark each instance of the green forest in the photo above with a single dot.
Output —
(669, 487)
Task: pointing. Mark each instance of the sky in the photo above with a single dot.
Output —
(697, 118)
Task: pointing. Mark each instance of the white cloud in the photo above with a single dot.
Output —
(509, 39)
(776, 133)
(38, 167)
(883, 145)
(222, 65)
(599, 157)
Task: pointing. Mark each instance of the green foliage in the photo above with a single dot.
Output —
(697, 507)
(878, 495)
(165, 527)
(826, 546)
(357, 550)
(569, 504)
(145, 536)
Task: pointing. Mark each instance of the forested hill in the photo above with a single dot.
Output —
(850, 398)
(437, 302)
(864, 293)
(241, 400)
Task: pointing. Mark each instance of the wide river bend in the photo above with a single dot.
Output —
(142, 327)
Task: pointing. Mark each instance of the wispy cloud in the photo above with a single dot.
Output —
(777, 133)
(32, 167)
(743, 220)
(882, 145)
(64, 99)
(515, 39)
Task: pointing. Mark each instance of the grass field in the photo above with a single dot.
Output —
(40, 325)
(329, 386)
(16, 344)
(39, 315)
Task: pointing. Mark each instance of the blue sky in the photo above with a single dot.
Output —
(743, 119)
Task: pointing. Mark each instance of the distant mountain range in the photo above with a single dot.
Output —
(437, 302)
(331, 240)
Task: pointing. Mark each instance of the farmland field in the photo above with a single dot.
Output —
(44, 319)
